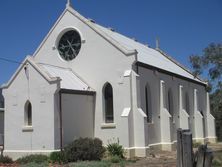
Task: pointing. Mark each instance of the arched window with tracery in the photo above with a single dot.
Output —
(28, 114)
(108, 103)
(148, 103)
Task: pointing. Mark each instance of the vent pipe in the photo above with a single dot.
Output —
(157, 43)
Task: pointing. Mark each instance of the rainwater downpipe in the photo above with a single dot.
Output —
(60, 116)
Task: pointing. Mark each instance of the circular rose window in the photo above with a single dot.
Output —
(69, 45)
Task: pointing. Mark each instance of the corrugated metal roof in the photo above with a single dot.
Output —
(69, 80)
(148, 55)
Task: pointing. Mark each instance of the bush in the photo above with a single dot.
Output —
(35, 158)
(5, 159)
(115, 159)
(115, 149)
(57, 157)
(196, 144)
(217, 163)
(84, 149)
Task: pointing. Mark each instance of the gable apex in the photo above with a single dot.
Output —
(87, 22)
(29, 60)
(68, 3)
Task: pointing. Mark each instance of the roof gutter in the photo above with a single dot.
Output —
(78, 92)
(60, 120)
(140, 64)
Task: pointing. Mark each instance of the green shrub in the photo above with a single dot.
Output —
(115, 149)
(5, 159)
(196, 144)
(115, 159)
(57, 157)
(35, 158)
(84, 149)
(217, 163)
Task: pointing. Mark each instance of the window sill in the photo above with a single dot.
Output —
(27, 129)
(108, 126)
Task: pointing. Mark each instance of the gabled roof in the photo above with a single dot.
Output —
(29, 60)
(69, 80)
(146, 55)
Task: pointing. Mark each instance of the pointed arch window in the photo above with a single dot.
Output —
(28, 114)
(108, 103)
(198, 100)
(148, 103)
(170, 103)
(187, 103)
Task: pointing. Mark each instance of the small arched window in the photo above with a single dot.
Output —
(148, 103)
(170, 103)
(108, 103)
(28, 114)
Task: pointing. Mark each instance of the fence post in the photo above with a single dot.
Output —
(187, 149)
(179, 147)
(200, 156)
(208, 158)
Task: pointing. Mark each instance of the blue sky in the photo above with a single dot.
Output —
(183, 27)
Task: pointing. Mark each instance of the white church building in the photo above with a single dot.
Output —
(85, 80)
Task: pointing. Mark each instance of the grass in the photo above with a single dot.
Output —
(217, 161)
(91, 164)
(104, 163)
(196, 144)
(34, 164)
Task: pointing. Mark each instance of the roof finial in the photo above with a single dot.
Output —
(68, 4)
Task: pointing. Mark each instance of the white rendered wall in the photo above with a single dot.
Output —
(41, 95)
(148, 76)
(77, 117)
(97, 63)
(183, 119)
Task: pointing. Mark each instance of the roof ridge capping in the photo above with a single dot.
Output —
(179, 64)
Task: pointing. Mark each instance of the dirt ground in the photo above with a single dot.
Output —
(157, 159)
(165, 158)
